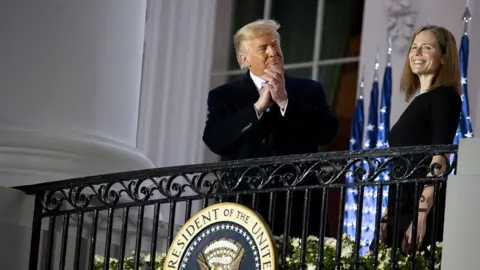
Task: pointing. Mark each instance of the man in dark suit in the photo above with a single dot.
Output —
(268, 113)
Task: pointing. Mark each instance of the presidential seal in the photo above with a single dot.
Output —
(223, 236)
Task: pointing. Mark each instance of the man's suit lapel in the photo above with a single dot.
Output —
(288, 84)
(249, 92)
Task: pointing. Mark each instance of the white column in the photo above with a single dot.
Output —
(401, 18)
(176, 75)
(173, 101)
(70, 84)
(461, 237)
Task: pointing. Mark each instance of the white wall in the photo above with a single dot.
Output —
(16, 210)
(380, 15)
(70, 87)
(93, 87)
(461, 238)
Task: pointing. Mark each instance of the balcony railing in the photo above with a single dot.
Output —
(76, 221)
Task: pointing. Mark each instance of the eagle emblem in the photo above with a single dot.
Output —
(221, 254)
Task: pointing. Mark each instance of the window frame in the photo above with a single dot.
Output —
(315, 63)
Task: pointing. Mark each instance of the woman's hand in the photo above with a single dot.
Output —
(407, 243)
(383, 227)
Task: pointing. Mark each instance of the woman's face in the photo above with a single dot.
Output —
(425, 54)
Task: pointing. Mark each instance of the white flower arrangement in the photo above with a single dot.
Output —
(311, 254)
(347, 256)
(129, 262)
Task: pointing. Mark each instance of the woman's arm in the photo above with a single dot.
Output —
(426, 199)
(445, 111)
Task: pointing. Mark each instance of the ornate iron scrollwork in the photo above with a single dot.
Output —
(249, 176)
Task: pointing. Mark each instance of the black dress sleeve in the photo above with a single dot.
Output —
(445, 108)
(223, 130)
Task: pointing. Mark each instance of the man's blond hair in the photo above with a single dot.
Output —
(251, 31)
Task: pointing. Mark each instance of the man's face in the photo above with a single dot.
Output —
(263, 51)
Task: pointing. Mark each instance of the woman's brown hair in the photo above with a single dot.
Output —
(448, 72)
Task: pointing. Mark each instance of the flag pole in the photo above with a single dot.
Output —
(389, 51)
(362, 84)
(377, 65)
(466, 18)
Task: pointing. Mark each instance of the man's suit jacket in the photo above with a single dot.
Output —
(234, 131)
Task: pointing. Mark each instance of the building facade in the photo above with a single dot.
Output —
(93, 87)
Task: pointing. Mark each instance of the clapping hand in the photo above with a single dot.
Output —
(264, 101)
(276, 84)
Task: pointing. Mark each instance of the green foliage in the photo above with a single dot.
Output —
(292, 260)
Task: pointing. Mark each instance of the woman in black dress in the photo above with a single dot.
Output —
(431, 81)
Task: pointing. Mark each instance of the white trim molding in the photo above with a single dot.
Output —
(401, 22)
(29, 156)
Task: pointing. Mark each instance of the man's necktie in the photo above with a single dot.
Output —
(268, 109)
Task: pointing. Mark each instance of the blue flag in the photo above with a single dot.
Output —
(356, 138)
(384, 126)
(464, 129)
(383, 129)
(371, 133)
(464, 126)
(385, 108)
